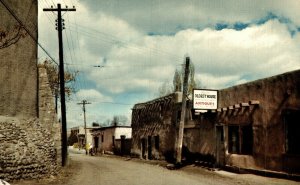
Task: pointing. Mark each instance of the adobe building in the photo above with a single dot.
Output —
(29, 130)
(154, 127)
(254, 128)
(112, 139)
(77, 135)
(260, 124)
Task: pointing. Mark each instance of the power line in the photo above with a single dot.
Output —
(114, 40)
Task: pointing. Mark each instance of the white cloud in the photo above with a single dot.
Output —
(168, 16)
(226, 53)
(91, 95)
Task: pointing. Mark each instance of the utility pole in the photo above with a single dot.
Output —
(83, 103)
(60, 27)
(183, 110)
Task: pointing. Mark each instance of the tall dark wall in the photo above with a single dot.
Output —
(18, 69)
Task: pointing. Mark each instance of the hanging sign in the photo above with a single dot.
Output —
(205, 99)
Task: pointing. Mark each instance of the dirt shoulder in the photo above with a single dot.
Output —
(62, 176)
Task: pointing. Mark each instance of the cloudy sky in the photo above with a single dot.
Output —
(139, 44)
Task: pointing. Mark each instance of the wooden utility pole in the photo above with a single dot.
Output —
(183, 110)
(83, 103)
(60, 27)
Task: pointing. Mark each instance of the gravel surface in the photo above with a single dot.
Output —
(97, 170)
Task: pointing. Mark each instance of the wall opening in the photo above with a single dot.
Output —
(240, 139)
(292, 130)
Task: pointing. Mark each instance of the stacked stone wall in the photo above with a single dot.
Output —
(27, 149)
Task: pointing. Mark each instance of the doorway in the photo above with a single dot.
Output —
(220, 147)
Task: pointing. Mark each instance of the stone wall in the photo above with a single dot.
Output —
(30, 147)
(27, 149)
(47, 112)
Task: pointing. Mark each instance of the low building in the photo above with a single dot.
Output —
(154, 127)
(77, 135)
(255, 127)
(113, 139)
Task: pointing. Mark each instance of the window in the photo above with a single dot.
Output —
(292, 129)
(156, 140)
(233, 139)
(240, 139)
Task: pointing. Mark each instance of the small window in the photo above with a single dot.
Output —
(156, 140)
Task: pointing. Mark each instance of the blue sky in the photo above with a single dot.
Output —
(141, 43)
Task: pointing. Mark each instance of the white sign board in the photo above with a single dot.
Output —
(205, 99)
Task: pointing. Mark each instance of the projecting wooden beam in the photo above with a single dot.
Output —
(224, 109)
(230, 107)
(219, 110)
(237, 106)
(254, 102)
(244, 104)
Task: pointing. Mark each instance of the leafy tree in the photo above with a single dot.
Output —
(177, 83)
(119, 120)
(53, 77)
(165, 88)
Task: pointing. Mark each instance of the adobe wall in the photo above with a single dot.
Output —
(18, 70)
(154, 118)
(107, 145)
(274, 95)
(199, 137)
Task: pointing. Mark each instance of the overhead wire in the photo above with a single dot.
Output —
(27, 30)
(111, 39)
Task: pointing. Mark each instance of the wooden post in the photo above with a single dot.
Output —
(183, 110)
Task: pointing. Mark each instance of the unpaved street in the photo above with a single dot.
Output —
(113, 170)
(121, 171)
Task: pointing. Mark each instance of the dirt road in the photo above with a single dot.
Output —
(121, 171)
(112, 170)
